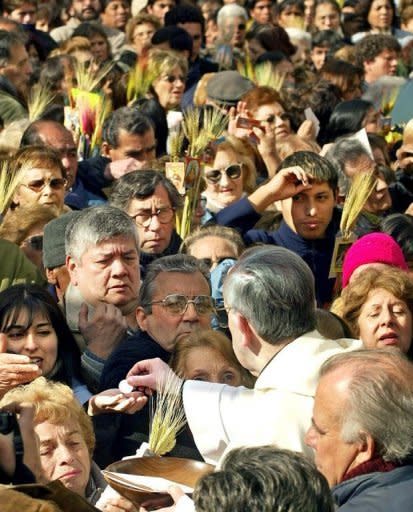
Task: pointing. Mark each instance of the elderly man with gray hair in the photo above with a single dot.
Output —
(362, 430)
(102, 257)
(270, 300)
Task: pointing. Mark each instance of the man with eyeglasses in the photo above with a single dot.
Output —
(174, 301)
(151, 200)
(86, 11)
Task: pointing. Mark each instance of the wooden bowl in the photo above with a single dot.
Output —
(182, 471)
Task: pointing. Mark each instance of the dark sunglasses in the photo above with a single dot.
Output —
(232, 171)
(35, 242)
(38, 185)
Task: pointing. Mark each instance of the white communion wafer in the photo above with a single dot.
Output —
(125, 387)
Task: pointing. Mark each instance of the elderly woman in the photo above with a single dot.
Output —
(229, 174)
(66, 440)
(139, 32)
(208, 356)
(43, 179)
(378, 308)
(169, 70)
(213, 244)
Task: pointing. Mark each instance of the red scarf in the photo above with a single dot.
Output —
(371, 466)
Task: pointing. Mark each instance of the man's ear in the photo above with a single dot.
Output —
(367, 449)
(72, 266)
(105, 149)
(50, 275)
(141, 318)
(246, 333)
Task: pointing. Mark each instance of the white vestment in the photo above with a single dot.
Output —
(277, 411)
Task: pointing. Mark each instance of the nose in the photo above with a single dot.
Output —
(154, 225)
(64, 454)
(190, 314)
(30, 343)
(118, 268)
(311, 209)
(224, 179)
(279, 121)
(386, 316)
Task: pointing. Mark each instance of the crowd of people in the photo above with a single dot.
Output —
(219, 194)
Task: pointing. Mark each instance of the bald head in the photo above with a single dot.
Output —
(55, 135)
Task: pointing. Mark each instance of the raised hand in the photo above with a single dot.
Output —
(104, 330)
(15, 369)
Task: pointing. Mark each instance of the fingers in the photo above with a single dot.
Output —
(3, 343)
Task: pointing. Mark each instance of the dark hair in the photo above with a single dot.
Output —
(153, 110)
(312, 163)
(177, 37)
(105, 3)
(379, 142)
(326, 39)
(124, 118)
(140, 185)
(362, 9)
(7, 41)
(33, 299)
(272, 38)
(264, 479)
(332, 3)
(372, 45)
(177, 263)
(347, 118)
(53, 71)
(400, 227)
(185, 14)
(273, 57)
(89, 30)
(280, 7)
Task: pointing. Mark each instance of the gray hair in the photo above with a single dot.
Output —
(230, 11)
(273, 288)
(180, 263)
(341, 153)
(380, 400)
(95, 225)
(9, 40)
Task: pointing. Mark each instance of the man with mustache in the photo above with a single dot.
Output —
(84, 11)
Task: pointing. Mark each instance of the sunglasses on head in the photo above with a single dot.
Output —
(233, 172)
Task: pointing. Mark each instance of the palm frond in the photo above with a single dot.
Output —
(167, 416)
(39, 99)
(362, 186)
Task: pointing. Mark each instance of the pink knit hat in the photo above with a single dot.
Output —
(372, 248)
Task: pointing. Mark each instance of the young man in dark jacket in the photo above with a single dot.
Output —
(309, 223)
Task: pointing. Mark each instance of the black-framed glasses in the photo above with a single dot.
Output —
(144, 217)
(233, 172)
(39, 185)
(177, 304)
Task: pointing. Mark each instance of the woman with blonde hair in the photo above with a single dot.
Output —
(170, 70)
(66, 440)
(229, 173)
(43, 178)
